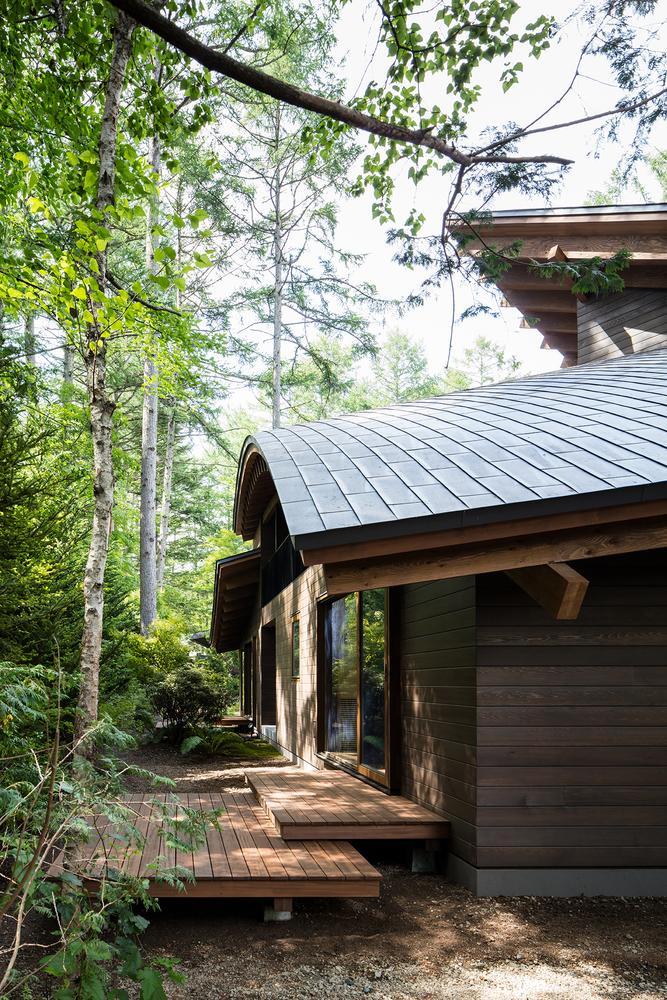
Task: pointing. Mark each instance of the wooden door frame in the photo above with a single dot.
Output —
(389, 780)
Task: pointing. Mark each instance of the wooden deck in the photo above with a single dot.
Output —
(309, 806)
(243, 855)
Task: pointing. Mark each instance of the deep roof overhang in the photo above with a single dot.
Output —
(234, 598)
(590, 438)
(569, 234)
(456, 521)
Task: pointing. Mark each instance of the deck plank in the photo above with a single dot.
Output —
(243, 854)
(338, 806)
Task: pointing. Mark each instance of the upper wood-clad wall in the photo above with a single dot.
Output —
(572, 722)
(437, 664)
(633, 321)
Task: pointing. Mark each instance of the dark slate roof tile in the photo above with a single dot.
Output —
(644, 467)
(392, 489)
(474, 465)
(302, 516)
(524, 472)
(459, 482)
(283, 469)
(337, 461)
(329, 499)
(412, 473)
(437, 498)
(355, 449)
(430, 458)
(293, 488)
(539, 457)
(507, 489)
(316, 475)
(369, 508)
(390, 453)
(415, 509)
(371, 465)
(339, 520)
(352, 481)
(577, 479)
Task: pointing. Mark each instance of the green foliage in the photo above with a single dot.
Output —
(229, 745)
(187, 697)
(46, 793)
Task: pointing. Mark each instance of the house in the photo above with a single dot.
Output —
(464, 599)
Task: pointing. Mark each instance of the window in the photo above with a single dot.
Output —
(296, 648)
(355, 681)
(280, 561)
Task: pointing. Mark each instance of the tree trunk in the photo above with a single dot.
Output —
(101, 405)
(148, 508)
(68, 359)
(29, 343)
(276, 387)
(166, 496)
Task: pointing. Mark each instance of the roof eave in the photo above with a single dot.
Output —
(496, 514)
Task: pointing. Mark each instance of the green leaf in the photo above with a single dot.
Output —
(79, 292)
(151, 985)
(22, 158)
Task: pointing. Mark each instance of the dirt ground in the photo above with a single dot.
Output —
(424, 939)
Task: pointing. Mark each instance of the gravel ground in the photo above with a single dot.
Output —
(424, 939)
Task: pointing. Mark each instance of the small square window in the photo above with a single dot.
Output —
(296, 650)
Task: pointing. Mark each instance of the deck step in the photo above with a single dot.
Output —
(243, 855)
(317, 805)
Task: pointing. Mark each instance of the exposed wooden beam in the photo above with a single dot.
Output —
(643, 250)
(445, 563)
(556, 322)
(556, 587)
(550, 300)
(564, 343)
(495, 531)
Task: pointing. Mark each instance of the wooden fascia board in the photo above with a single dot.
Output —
(467, 560)
(495, 531)
(556, 587)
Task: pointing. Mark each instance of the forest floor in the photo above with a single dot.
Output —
(424, 939)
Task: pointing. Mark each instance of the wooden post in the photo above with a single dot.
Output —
(281, 910)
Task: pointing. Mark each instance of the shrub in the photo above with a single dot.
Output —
(224, 743)
(186, 698)
(131, 710)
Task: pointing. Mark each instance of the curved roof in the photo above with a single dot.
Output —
(594, 435)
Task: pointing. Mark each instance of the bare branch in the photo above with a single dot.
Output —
(257, 80)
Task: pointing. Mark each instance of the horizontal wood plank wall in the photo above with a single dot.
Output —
(572, 722)
(297, 699)
(633, 321)
(437, 664)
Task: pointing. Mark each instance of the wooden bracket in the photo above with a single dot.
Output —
(558, 588)
(556, 253)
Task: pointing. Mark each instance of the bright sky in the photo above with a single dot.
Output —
(543, 81)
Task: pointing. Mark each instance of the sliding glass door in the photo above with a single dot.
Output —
(355, 681)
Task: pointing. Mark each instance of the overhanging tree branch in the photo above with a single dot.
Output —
(264, 83)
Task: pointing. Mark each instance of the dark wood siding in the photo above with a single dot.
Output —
(634, 321)
(437, 663)
(572, 722)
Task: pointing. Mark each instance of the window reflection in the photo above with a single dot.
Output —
(355, 679)
(372, 679)
(342, 676)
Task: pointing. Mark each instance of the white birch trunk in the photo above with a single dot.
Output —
(101, 405)
(165, 511)
(149, 427)
(30, 345)
(276, 386)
